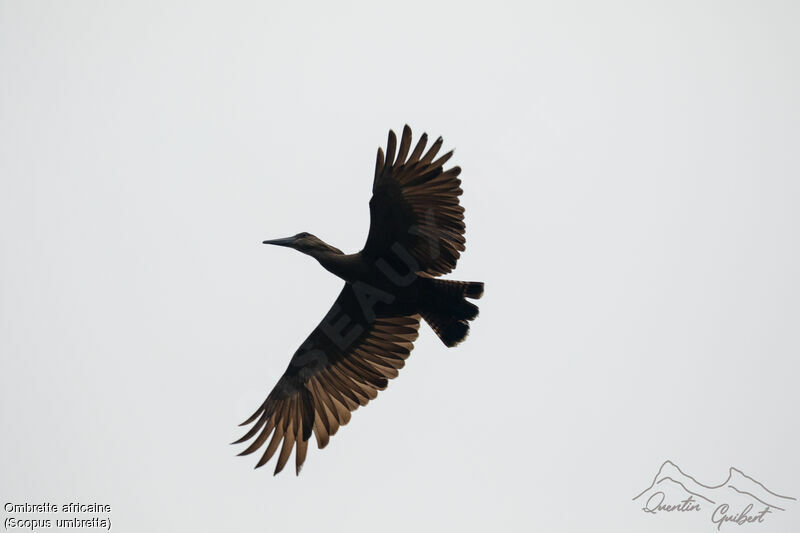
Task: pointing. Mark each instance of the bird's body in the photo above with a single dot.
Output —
(416, 234)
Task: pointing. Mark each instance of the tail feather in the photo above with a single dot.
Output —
(448, 312)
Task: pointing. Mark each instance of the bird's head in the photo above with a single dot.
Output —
(306, 243)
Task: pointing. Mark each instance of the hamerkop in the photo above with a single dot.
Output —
(416, 234)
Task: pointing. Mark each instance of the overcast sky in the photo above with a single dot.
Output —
(630, 176)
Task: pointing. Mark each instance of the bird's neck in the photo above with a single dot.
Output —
(337, 263)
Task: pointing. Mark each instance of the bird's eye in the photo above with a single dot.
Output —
(302, 235)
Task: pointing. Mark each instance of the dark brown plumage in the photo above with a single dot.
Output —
(416, 233)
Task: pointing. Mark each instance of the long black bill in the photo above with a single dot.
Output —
(288, 241)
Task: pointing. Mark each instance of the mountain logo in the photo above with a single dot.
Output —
(739, 500)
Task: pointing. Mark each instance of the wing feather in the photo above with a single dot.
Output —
(324, 382)
(415, 204)
(405, 144)
(414, 157)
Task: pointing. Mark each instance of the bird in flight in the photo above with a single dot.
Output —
(416, 234)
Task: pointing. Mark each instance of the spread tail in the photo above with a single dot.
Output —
(446, 309)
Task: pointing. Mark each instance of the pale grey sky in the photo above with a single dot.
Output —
(630, 176)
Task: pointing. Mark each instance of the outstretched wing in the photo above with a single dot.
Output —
(415, 216)
(342, 365)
